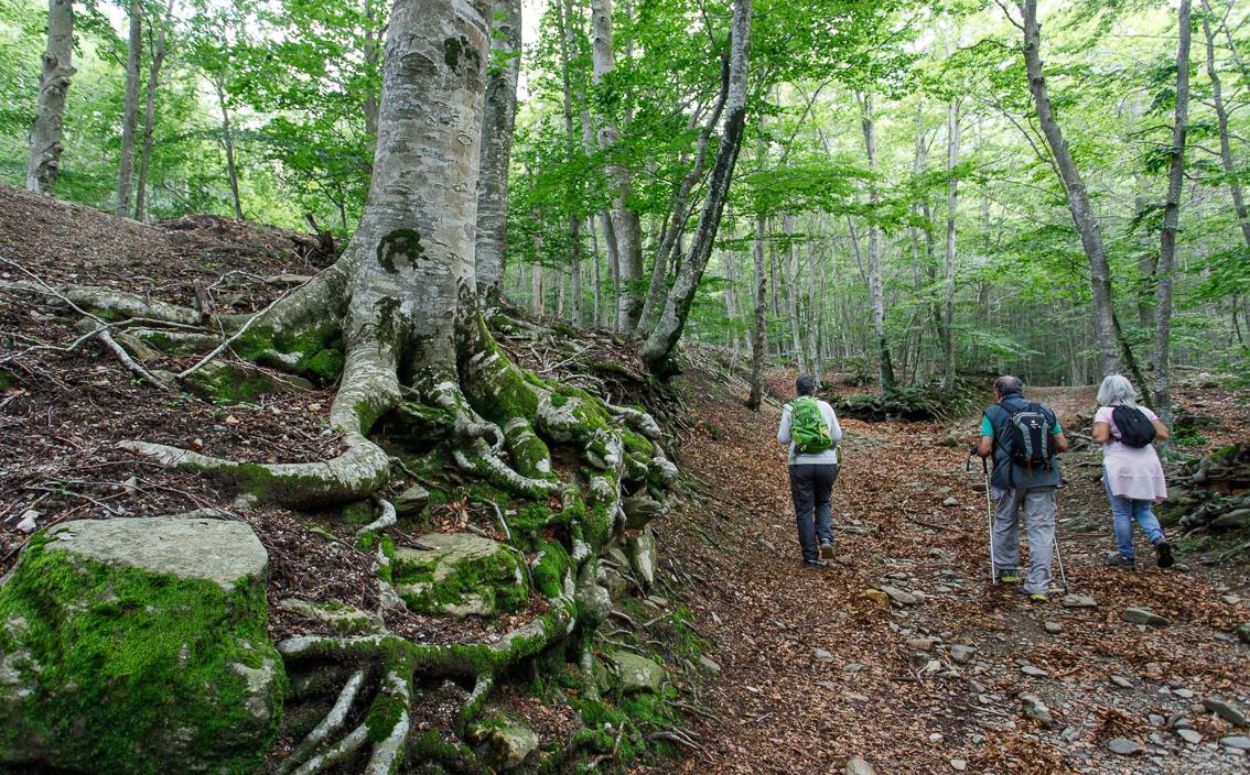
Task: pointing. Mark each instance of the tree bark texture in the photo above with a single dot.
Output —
(876, 287)
(626, 225)
(759, 327)
(1221, 114)
(44, 164)
(952, 210)
(575, 220)
(497, 124)
(1083, 215)
(792, 294)
(1171, 220)
(130, 111)
(658, 350)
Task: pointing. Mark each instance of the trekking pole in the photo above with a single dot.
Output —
(1058, 556)
(989, 511)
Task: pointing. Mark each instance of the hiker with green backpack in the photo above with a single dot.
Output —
(811, 428)
(1023, 439)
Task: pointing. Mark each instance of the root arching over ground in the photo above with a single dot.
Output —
(495, 421)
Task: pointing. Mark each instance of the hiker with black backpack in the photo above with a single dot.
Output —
(1022, 438)
(1132, 472)
(811, 428)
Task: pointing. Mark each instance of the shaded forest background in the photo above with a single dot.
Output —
(906, 130)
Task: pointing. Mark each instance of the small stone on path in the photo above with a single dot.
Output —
(1225, 710)
(1240, 742)
(951, 501)
(822, 655)
(1124, 747)
(920, 644)
(1054, 628)
(962, 655)
(898, 596)
(1191, 736)
(1035, 672)
(1144, 616)
(857, 766)
(709, 665)
(1121, 682)
(959, 765)
(1184, 694)
(1035, 709)
(1079, 601)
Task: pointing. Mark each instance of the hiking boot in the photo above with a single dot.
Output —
(1163, 554)
(1116, 560)
(1008, 577)
(826, 550)
(816, 564)
(1037, 597)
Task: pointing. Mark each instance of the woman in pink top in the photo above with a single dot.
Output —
(1133, 475)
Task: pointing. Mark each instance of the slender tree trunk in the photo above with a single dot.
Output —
(597, 320)
(1171, 220)
(575, 219)
(156, 61)
(227, 141)
(792, 293)
(498, 119)
(876, 290)
(1221, 114)
(657, 351)
(372, 54)
(952, 210)
(130, 114)
(626, 225)
(44, 164)
(1083, 215)
(536, 287)
(759, 327)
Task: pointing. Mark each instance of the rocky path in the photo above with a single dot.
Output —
(903, 655)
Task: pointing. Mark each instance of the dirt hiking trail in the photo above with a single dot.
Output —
(946, 673)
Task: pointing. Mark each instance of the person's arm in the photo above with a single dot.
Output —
(1056, 435)
(783, 432)
(835, 429)
(1101, 434)
(1161, 431)
(985, 447)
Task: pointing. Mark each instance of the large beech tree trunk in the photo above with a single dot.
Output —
(1221, 114)
(497, 124)
(1083, 215)
(44, 164)
(658, 349)
(130, 111)
(1171, 219)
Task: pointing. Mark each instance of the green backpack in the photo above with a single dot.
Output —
(808, 428)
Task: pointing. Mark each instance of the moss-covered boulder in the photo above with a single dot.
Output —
(461, 574)
(634, 673)
(139, 646)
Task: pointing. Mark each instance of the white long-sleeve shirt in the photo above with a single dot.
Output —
(820, 458)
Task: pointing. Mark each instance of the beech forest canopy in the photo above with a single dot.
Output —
(897, 195)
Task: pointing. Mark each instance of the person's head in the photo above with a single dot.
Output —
(806, 385)
(1007, 385)
(1116, 390)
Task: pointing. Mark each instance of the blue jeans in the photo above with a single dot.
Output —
(1125, 510)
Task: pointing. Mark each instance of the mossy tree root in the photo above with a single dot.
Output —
(398, 660)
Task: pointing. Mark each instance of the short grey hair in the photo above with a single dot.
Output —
(1116, 390)
(1007, 384)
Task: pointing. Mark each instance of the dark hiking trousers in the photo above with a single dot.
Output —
(811, 486)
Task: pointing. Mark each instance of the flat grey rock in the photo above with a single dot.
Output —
(1225, 710)
(1035, 672)
(962, 655)
(1144, 616)
(217, 550)
(1054, 628)
(1124, 747)
(1121, 682)
(857, 766)
(1191, 736)
(898, 596)
(1240, 742)
(822, 655)
(1079, 601)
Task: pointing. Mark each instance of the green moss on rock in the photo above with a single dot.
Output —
(110, 668)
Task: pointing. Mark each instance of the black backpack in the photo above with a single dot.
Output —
(1135, 428)
(1027, 439)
